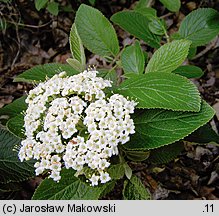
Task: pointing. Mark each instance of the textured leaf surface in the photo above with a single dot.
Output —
(162, 90)
(41, 72)
(136, 24)
(76, 46)
(157, 27)
(68, 188)
(135, 190)
(10, 187)
(189, 71)
(171, 5)
(168, 57)
(11, 169)
(133, 59)
(14, 108)
(96, 32)
(16, 125)
(200, 26)
(157, 127)
(166, 153)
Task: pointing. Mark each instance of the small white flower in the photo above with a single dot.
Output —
(39, 170)
(104, 177)
(55, 176)
(94, 180)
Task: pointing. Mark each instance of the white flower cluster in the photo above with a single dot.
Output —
(70, 122)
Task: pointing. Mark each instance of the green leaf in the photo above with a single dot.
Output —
(137, 155)
(10, 187)
(76, 46)
(135, 190)
(109, 186)
(128, 171)
(133, 59)
(3, 24)
(41, 72)
(92, 2)
(157, 26)
(53, 8)
(192, 52)
(203, 135)
(150, 13)
(136, 24)
(68, 188)
(39, 4)
(162, 90)
(171, 5)
(156, 127)
(116, 171)
(166, 153)
(142, 4)
(189, 71)
(14, 108)
(142, 8)
(168, 57)
(11, 169)
(16, 125)
(200, 26)
(96, 32)
(75, 64)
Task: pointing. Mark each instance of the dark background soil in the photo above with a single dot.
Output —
(36, 37)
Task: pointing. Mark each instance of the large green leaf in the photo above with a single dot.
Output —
(136, 24)
(96, 32)
(200, 26)
(189, 71)
(68, 188)
(157, 127)
(14, 108)
(166, 153)
(171, 5)
(168, 57)
(11, 169)
(76, 46)
(162, 90)
(41, 72)
(133, 59)
(16, 125)
(135, 190)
